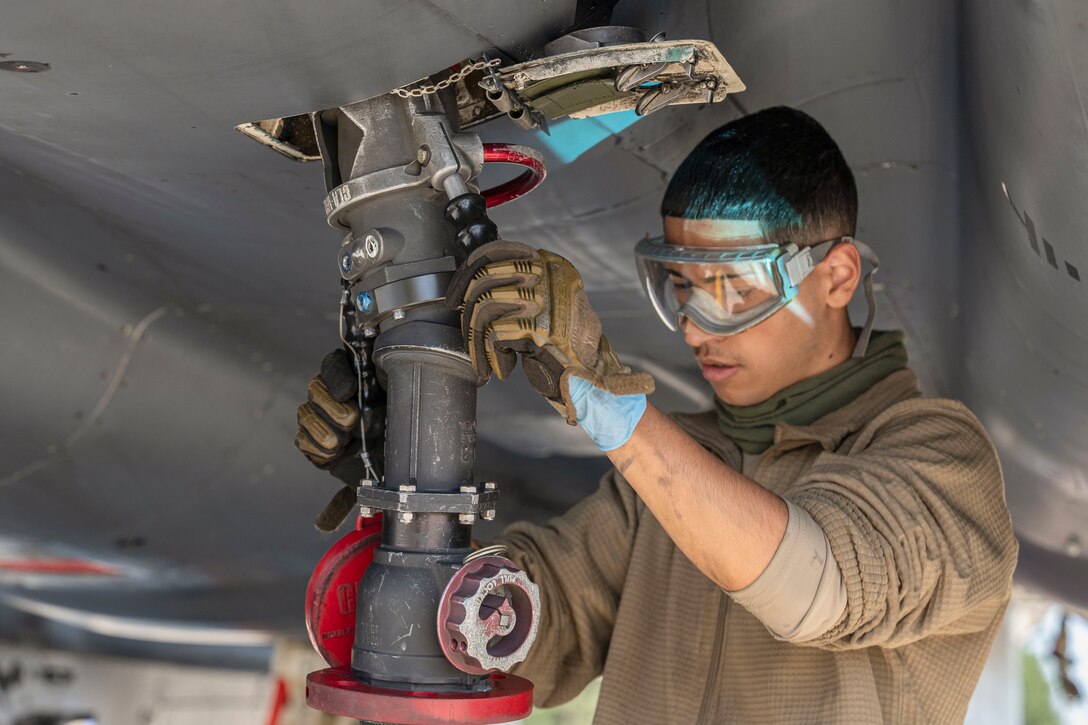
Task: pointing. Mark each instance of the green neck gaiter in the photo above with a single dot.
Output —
(752, 426)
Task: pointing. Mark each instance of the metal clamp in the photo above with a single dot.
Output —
(470, 502)
(341, 199)
(411, 292)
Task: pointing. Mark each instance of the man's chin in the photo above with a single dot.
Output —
(735, 393)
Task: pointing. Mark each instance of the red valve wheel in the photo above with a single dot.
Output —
(330, 596)
(520, 185)
(488, 616)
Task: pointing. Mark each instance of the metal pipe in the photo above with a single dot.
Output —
(399, 177)
(431, 403)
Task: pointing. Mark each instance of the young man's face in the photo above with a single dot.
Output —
(802, 339)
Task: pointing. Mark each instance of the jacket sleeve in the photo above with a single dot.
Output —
(579, 560)
(917, 521)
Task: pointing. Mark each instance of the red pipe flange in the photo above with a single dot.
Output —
(335, 690)
(522, 184)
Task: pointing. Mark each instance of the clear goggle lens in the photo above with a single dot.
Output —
(723, 291)
(726, 296)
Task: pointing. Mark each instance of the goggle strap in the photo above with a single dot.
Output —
(802, 262)
(799, 265)
(868, 255)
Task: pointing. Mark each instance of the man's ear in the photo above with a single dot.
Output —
(843, 264)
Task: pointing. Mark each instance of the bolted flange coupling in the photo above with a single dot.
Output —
(488, 616)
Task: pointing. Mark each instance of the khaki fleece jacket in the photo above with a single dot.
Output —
(909, 492)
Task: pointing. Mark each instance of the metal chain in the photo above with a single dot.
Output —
(446, 83)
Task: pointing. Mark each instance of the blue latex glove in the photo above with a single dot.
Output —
(609, 419)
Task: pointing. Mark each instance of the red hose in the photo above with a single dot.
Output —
(523, 183)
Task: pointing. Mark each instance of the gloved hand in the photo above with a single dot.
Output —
(330, 435)
(518, 300)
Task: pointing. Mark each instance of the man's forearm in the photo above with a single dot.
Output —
(728, 525)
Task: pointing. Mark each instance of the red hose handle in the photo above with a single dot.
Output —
(523, 183)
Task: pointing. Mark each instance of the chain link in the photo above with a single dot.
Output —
(446, 83)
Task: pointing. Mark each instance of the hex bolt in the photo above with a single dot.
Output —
(365, 511)
(466, 518)
(372, 244)
(489, 515)
(398, 314)
(364, 302)
(490, 486)
(406, 517)
(423, 155)
(404, 491)
(505, 622)
(468, 489)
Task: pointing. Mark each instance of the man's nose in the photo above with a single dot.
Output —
(694, 335)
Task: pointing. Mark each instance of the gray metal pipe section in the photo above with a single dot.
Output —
(430, 444)
(431, 423)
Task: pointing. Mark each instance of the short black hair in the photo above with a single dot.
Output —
(778, 167)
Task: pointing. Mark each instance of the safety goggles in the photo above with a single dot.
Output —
(729, 290)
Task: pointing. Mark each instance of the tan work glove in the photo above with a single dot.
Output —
(329, 433)
(516, 299)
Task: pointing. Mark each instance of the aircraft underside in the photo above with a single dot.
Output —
(168, 285)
